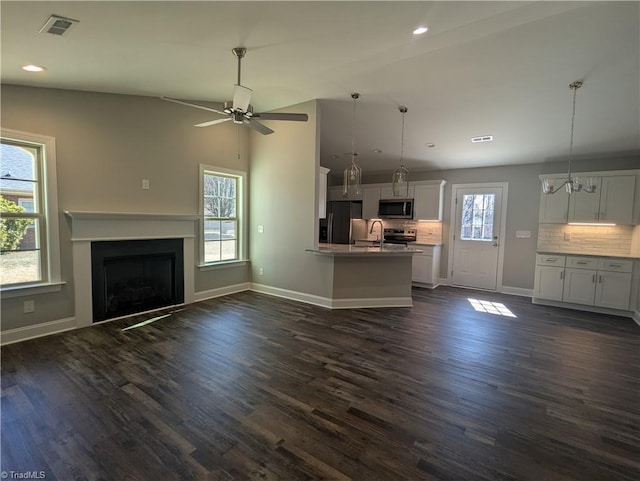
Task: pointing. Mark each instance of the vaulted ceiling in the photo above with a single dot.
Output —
(483, 68)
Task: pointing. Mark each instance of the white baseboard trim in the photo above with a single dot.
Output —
(333, 303)
(221, 291)
(292, 295)
(517, 291)
(636, 317)
(580, 307)
(20, 334)
(371, 302)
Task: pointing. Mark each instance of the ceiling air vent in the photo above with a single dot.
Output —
(57, 25)
(482, 138)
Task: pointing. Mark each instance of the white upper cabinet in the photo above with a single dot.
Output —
(616, 199)
(336, 193)
(428, 200)
(584, 207)
(611, 203)
(323, 172)
(554, 208)
(370, 199)
(386, 192)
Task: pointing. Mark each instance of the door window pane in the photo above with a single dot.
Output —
(477, 217)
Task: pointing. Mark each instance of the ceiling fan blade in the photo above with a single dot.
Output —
(189, 104)
(282, 116)
(258, 127)
(241, 98)
(212, 122)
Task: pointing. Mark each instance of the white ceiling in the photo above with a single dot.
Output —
(484, 68)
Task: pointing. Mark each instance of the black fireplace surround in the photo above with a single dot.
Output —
(132, 276)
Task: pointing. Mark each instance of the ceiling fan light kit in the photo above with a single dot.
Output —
(400, 179)
(572, 184)
(240, 110)
(352, 180)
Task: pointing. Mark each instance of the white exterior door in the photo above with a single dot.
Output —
(477, 236)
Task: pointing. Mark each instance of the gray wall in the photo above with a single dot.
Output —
(284, 200)
(106, 144)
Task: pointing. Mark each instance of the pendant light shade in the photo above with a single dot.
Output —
(352, 181)
(400, 180)
(572, 184)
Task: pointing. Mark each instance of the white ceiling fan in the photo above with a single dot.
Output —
(240, 110)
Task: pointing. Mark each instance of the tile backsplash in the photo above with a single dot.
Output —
(426, 232)
(596, 240)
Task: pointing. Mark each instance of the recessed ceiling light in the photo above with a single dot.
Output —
(32, 68)
(377, 151)
(420, 30)
(482, 138)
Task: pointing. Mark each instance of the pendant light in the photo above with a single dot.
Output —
(572, 184)
(400, 180)
(353, 174)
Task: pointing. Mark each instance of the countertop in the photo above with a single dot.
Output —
(366, 251)
(587, 254)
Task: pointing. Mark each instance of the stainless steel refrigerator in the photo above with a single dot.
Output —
(344, 223)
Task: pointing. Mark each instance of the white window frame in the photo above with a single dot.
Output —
(241, 196)
(51, 278)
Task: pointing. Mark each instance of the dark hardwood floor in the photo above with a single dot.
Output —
(252, 387)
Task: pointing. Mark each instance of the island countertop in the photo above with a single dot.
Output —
(343, 250)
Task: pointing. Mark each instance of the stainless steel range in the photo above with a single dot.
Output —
(399, 235)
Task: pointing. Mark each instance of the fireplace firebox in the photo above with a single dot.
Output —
(134, 276)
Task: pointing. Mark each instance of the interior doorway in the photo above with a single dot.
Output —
(476, 236)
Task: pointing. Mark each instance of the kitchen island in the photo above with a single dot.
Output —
(365, 276)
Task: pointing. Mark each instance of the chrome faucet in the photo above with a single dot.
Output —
(373, 224)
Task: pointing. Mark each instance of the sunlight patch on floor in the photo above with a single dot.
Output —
(489, 307)
(149, 321)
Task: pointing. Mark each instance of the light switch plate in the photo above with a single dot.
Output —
(523, 234)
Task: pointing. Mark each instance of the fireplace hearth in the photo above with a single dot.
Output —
(133, 276)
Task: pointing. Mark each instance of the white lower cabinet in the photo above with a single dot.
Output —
(549, 283)
(579, 286)
(613, 290)
(426, 266)
(588, 281)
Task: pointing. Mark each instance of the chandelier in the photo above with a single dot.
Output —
(400, 179)
(353, 174)
(572, 184)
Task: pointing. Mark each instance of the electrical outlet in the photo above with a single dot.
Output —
(567, 236)
(145, 184)
(260, 271)
(29, 306)
(260, 229)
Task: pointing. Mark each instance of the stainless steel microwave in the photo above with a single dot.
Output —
(395, 208)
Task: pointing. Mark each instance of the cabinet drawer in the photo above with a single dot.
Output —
(582, 262)
(427, 250)
(615, 265)
(550, 260)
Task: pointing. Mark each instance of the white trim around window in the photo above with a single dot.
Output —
(241, 214)
(51, 280)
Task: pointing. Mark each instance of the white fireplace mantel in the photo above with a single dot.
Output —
(87, 227)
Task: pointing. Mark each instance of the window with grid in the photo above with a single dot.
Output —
(477, 217)
(221, 196)
(28, 251)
